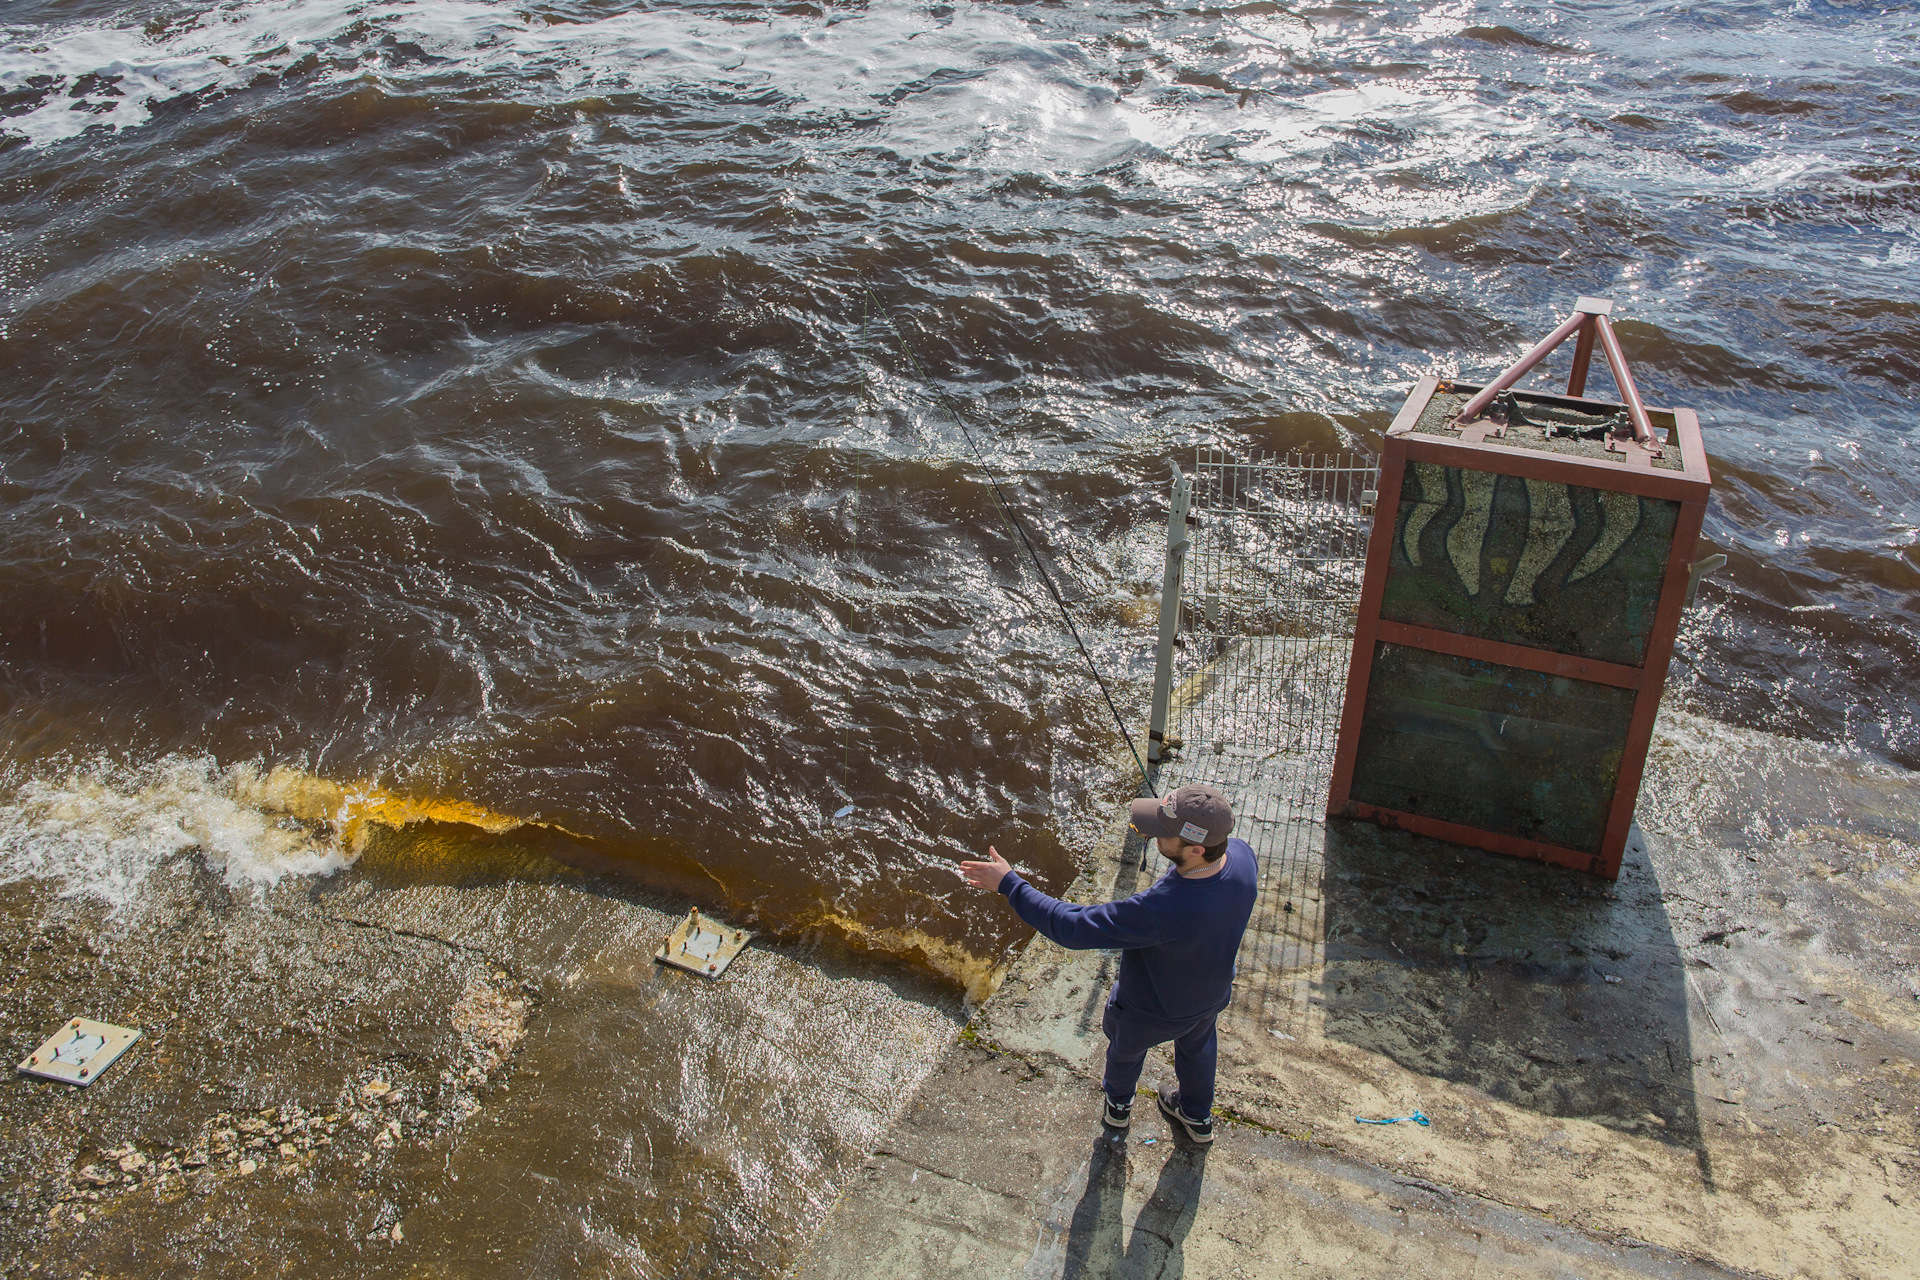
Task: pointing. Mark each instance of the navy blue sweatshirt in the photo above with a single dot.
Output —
(1177, 940)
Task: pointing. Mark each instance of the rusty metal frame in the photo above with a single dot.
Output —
(1632, 472)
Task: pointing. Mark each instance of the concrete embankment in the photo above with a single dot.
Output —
(457, 1058)
(1706, 1068)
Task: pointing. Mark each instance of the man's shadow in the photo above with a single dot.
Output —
(1098, 1244)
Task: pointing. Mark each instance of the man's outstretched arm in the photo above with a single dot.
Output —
(1127, 923)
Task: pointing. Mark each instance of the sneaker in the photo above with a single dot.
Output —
(1117, 1115)
(1201, 1131)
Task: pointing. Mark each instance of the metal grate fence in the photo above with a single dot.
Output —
(1254, 664)
(1273, 573)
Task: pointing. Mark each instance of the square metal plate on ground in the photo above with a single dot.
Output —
(702, 945)
(79, 1051)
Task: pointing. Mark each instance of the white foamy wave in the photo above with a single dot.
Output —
(101, 830)
(113, 76)
(978, 82)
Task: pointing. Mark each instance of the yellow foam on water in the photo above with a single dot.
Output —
(350, 810)
(347, 813)
(978, 975)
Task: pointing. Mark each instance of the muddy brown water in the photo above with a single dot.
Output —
(497, 415)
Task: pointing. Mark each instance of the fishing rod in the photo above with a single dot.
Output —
(1025, 538)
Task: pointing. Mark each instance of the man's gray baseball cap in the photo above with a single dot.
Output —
(1195, 813)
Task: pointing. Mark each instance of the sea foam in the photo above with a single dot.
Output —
(99, 74)
(100, 830)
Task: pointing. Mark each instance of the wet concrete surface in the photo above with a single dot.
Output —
(1709, 1064)
(1051, 1195)
(457, 1058)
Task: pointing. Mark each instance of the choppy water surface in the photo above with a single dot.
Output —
(492, 406)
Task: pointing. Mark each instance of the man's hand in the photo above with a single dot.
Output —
(986, 875)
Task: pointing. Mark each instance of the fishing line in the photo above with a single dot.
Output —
(1020, 531)
(846, 811)
(846, 728)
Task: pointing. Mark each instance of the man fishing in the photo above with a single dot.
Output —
(1177, 942)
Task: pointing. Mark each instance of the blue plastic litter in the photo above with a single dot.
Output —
(841, 813)
(1416, 1117)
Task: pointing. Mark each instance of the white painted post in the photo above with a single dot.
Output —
(1170, 582)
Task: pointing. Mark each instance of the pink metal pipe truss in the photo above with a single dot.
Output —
(1617, 361)
(1521, 367)
(1589, 320)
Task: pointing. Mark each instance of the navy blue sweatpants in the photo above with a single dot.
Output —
(1196, 1046)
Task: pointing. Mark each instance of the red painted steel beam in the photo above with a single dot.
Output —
(1646, 708)
(1693, 452)
(1651, 482)
(1582, 359)
(1545, 661)
(1373, 585)
(1480, 838)
(1617, 361)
